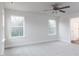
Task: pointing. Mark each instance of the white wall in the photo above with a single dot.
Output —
(36, 28)
(64, 29)
(1, 30)
(64, 26)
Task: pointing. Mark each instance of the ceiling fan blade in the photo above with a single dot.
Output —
(64, 7)
(62, 11)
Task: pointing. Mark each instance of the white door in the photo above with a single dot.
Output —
(74, 28)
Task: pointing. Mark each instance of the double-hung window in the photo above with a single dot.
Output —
(51, 27)
(16, 27)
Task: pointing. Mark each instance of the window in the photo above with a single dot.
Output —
(52, 27)
(16, 26)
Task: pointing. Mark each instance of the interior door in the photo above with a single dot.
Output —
(75, 29)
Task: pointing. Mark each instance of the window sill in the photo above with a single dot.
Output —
(20, 37)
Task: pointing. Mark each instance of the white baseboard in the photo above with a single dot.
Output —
(34, 43)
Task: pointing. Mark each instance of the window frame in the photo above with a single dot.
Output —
(55, 28)
(9, 28)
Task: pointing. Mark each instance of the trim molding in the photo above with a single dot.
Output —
(34, 43)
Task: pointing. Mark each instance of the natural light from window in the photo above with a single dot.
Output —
(51, 27)
(16, 26)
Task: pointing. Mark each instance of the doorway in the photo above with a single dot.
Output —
(74, 23)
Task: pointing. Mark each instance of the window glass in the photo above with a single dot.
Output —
(52, 27)
(16, 26)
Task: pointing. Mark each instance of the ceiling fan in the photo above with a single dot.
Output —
(56, 7)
